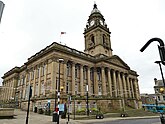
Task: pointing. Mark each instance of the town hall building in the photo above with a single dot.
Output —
(109, 81)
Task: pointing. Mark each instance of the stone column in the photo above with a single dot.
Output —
(109, 82)
(54, 68)
(34, 83)
(45, 78)
(95, 82)
(103, 80)
(81, 81)
(39, 82)
(114, 82)
(132, 89)
(120, 85)
(128, 85)
(65, 75)
(124, 86)
(88, 80)
(73, 78)
(137, 89)
(24, 92)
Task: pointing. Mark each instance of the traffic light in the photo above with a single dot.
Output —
(162, 53)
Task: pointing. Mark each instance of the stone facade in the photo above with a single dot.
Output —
(111, 82)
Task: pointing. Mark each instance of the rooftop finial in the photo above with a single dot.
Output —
(95, 6)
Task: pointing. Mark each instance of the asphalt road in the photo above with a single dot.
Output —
(35, 118)
(131, 121)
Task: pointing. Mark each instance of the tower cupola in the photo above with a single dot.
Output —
(97, 34)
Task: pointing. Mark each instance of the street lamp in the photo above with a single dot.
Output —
(2, 5)
(159, 62)
(58, 95)
(87, 102)
(161, 48)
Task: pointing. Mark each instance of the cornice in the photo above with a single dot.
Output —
(95, 27)
(12, 71)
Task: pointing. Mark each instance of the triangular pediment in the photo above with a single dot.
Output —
(116, 60)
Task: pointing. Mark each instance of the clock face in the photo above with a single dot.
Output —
(92, 23)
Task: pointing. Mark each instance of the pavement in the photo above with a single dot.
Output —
(35, 118)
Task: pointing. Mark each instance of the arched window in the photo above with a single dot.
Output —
(93, 39)
(104, 39)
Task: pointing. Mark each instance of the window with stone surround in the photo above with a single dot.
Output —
(36, 89)
(85, 72)
(68, 69)
(32, 74)
(77, 70)
(42, 88)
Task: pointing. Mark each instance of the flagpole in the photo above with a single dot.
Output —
(60, 38)
(61, 35)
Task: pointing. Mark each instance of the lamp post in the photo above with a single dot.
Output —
(2, 5)
(87, 102)
(58, 95)
(161, 48)
(159, 62)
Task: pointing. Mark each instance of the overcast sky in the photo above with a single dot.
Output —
(27, 26)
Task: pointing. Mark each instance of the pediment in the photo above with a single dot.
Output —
(116, 60)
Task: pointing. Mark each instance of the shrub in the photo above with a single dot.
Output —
(40, 111)
(94, 111)
(81, 111)
(154, 109)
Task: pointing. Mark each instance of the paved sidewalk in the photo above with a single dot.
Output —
(35, 118)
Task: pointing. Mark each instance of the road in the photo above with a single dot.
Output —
(35, 118)
(131, 121)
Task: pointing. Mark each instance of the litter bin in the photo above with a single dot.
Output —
(63, 115)
(35, 109)
(55, 117)
(162, 118)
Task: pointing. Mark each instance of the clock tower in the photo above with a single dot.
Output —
(97, 35)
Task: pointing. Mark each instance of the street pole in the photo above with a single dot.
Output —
(159, 62)
(55, 104)
(74, 107)
(69, 99)
(29, 96)
(58, 95)
(87, 103)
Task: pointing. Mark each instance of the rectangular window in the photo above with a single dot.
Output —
(43, 70)
(42, 88)
(32, 75)
(91, 74)
(99, 93)
(76, 71)
(28, 77)
(23, 80)
(68, 69)
(85, 73)
(98, 75)
(38, 72)
(36, 89)
(18, 82)
(164, 98)
(67, 87)
(76, 89)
